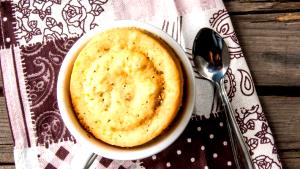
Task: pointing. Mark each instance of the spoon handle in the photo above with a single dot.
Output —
(90, 161)
(240, 150)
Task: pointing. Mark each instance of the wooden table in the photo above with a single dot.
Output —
(269, 33)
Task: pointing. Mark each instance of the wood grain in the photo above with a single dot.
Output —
(6, 153)
(291, 163)
(283, 116)
(5, 136)
(271, 48)
(9, 166)
(6, 143)
(238, 7)
(289, 17)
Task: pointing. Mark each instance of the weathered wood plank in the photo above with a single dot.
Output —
(283, 114)
(288, 154)
(5, 136)
(271, 48)
(290, 159)
(255, 7)
(7, 166)
(6, 153)
(292, 163)
(6, 143)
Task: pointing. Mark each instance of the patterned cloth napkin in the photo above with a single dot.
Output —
(37, 34)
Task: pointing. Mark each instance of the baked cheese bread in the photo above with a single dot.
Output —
(126, 86)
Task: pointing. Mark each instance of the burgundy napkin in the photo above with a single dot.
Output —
(35, 37)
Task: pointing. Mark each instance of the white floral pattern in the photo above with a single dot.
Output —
(37, 20)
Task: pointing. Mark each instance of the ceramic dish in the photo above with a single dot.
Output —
(113, 152)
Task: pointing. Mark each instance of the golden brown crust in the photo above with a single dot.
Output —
(126, 86)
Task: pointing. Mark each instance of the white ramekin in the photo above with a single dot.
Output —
(114, 152)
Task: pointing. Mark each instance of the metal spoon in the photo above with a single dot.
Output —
(211, 58)
(90, 161)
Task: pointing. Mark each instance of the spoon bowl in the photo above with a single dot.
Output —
(210, 55)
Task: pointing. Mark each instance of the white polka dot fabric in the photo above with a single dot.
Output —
(202, 145)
